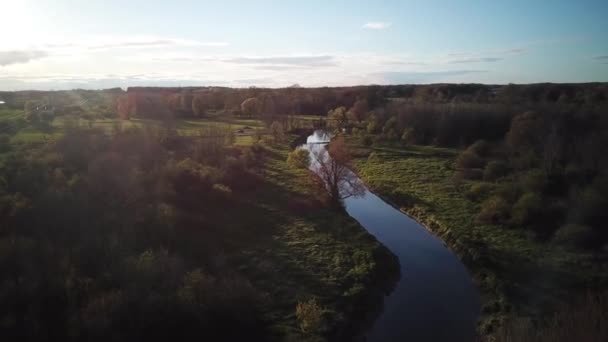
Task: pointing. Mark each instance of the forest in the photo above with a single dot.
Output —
(168, 213)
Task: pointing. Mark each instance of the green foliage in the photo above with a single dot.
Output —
(299, 158)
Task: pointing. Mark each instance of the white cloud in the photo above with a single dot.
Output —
(20, 56)
(282, 61)
(376, 25)
(477, 60)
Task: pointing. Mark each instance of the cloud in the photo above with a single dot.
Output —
(376, 25)
(294, 61)
(476, 60)
(148, 42)
(23, 56)
(394, 77)
(515, 51)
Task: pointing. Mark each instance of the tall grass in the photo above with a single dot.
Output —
(586, 320)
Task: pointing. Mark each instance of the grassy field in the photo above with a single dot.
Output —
(515, 274)
(189, 127)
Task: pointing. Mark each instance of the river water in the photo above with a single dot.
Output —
(435, 299)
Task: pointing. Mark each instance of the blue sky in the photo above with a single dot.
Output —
(64, 44)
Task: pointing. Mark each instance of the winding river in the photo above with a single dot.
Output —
(435, 299)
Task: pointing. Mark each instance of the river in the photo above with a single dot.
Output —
(435, 299)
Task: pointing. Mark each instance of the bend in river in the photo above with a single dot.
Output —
(435, 299)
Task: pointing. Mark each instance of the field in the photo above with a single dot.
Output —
(515, 274)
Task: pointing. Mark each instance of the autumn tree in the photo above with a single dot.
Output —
(332, 173)
(250, 107)
(337, 117)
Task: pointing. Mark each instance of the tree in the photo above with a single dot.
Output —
(199, 107)
(277, 131)
(299, 158)
(251, 106)
(357, 111)
(337, 117)
(332, 173)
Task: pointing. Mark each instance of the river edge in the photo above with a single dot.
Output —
(368, 306)
(487, 321)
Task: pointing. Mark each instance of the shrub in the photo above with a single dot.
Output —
(524, 210)
(574, 236)
(367, 140)
(494, 210)
(408, 136)
(533, 180)
(478, 191)
(494, 170)
(469, 160)
(481, 148)
(582, 320)
(299, 159)
(310, 316)
(474, 174)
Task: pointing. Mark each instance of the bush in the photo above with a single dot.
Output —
(479, 191)
(367, 140)
(310, 316)
(494, 170)
(473, 174)
(408, 136)
(469, 160)
(481, 148)
(574, 236)
(524, 210)
(534, 180)
(299, 159)
(494, 210)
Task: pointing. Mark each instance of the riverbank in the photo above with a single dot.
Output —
(515, 274)
(328, 255)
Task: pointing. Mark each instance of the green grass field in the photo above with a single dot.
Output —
(515, 274)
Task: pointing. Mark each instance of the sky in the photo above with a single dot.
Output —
(64, 44)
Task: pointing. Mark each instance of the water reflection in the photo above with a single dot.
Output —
(435, 299)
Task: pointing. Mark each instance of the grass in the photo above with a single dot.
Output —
(186, 127)
(317, 253)
(516, 275)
